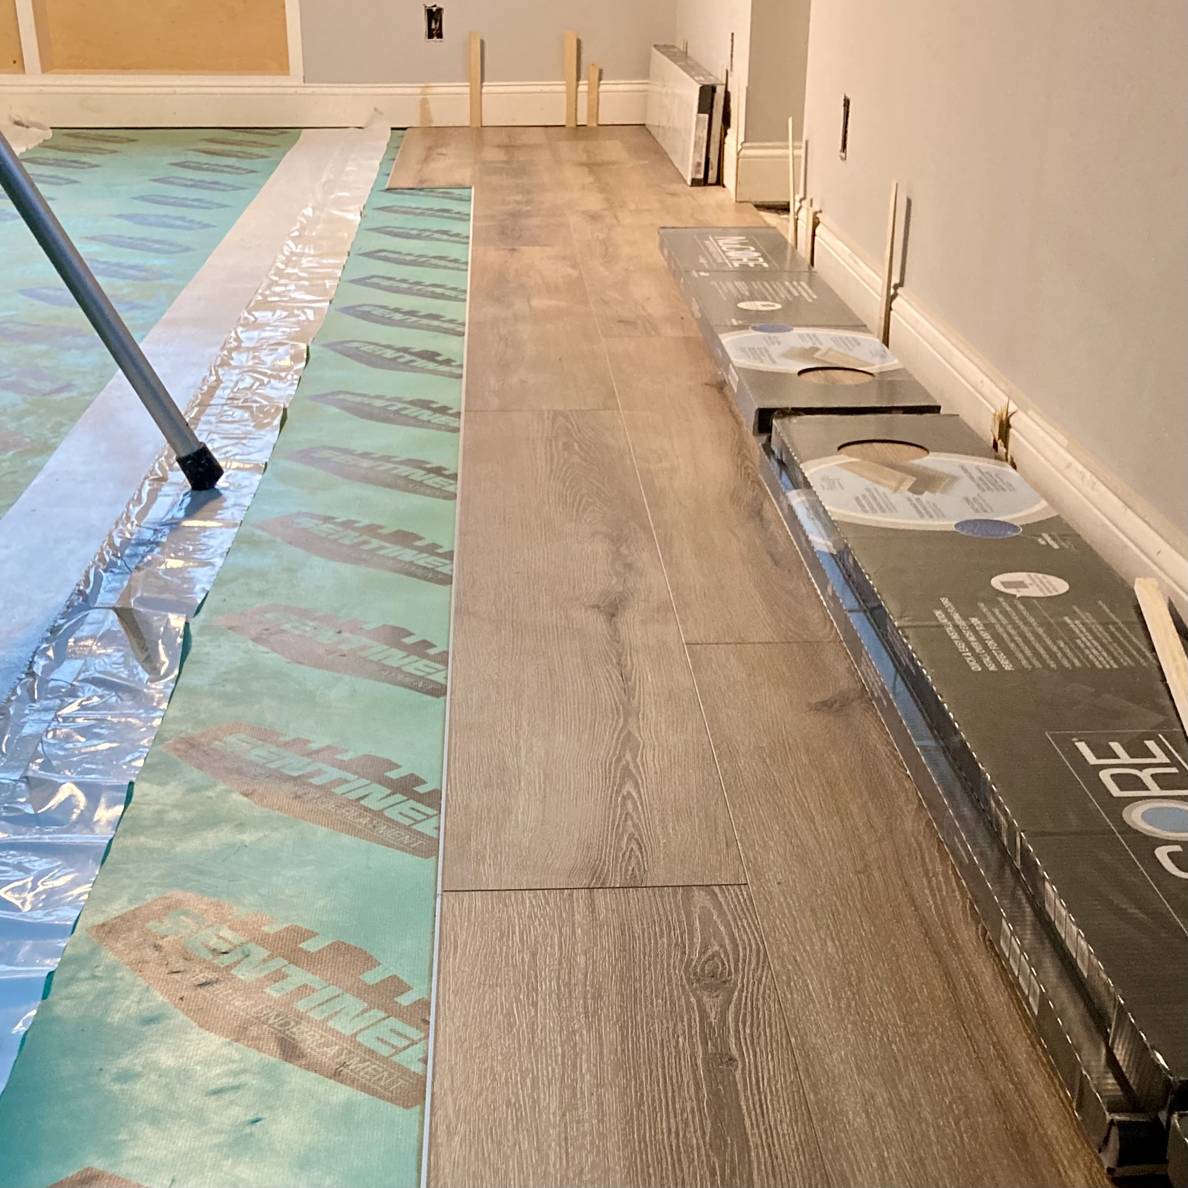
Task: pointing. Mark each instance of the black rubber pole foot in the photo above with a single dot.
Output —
(201, 469)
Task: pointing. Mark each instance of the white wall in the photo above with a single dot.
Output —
(377, 41)
(1043, 147)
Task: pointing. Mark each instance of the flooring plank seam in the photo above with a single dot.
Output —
(759, 925)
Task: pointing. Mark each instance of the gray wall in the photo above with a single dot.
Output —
(1043, 147)
(380, 41)
(778, 65)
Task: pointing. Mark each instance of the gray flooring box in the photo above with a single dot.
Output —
(808, 355)
(1028, 657)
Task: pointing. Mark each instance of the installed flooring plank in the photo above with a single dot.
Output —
(534, 341)
(435, 157)
(920, 1067)
(734, 573)
(613, 1038)
(631, 290)
(578, 755)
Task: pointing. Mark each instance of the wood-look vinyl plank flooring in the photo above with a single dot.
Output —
(578, 755)
(614, 1038)
(734, 574)
(609, 996)
(919, 1064)
(435, 157)
(534, 340)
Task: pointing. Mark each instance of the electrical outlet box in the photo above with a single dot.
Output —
(434, 22)
(845, 127)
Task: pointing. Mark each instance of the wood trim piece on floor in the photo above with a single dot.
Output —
(145, 101)
(1119, 525)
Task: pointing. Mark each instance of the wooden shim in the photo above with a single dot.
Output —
(571, 78)
(595, 77)
(810, 230)
(889, 269)
(476, 80)
(792, 211)
(1168, 645)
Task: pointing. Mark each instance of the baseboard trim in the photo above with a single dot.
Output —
(97, 101)
(762, 171)
(1129, 534)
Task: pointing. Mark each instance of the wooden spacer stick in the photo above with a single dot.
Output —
(889, 269)
(793, 234)
(476, 80)
(571, 78)
(1168, 645)
(595, 77)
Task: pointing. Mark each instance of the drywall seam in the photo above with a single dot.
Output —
(1118, 524)
(104, 101)
(70, 507)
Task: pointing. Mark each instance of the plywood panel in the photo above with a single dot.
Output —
(11, 61)
(163, 36)
(578, 755)
(920, 1067)
(613, 1038)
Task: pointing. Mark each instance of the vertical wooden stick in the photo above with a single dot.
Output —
(1166, 639)
(889, 269)
(476, 80)
(793, 235)
(595, 77)
(810, 230)
(571, 78)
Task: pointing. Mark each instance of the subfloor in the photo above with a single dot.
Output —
(696, 926)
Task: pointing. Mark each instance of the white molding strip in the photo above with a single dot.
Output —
(121, 101)
(762, 171)
(1128, 533)
(27, 31)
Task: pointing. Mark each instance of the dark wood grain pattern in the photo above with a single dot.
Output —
(614, 1038)
(730, 563)
(578, 755)
(920, 1067)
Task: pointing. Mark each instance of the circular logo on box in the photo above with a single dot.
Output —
(760, 306)
(1030, 585)
(900, 485)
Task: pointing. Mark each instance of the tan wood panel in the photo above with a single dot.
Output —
(578, 755)
(920, 1067)
(533, 339)
(734, 573)
(163, 36)
(436, 157)
(613, 1038)
(11, 59)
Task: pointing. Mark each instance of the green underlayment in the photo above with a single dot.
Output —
(146, 208)
(246, 997)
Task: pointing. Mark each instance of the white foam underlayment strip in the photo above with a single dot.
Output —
(52, 532)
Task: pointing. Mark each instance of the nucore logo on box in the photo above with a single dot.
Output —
(1140, 778)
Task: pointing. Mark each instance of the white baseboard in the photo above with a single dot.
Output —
(1123, 528)
(98, 101)
(762, 171)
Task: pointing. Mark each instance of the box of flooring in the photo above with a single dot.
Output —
(684, 113)
(1177, 1151)
(784, 341)
(1029, 659)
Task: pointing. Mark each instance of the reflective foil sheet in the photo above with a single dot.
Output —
(79, 725)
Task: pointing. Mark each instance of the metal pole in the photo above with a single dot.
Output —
(197, 463)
